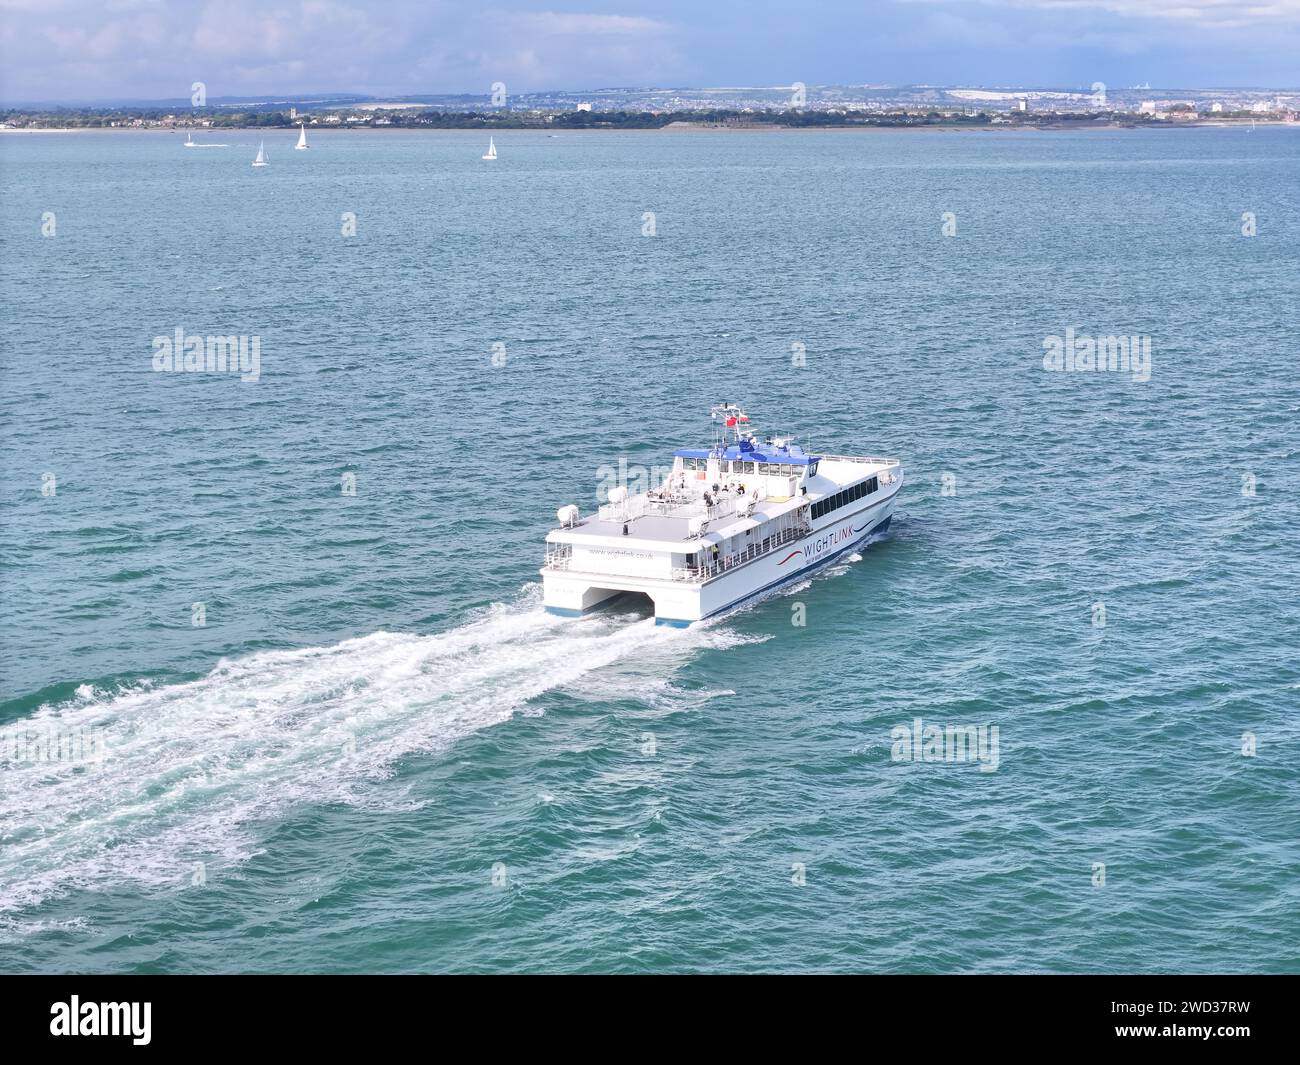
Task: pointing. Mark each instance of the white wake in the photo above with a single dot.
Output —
(190, 770)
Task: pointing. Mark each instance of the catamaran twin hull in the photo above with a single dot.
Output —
(729, 523)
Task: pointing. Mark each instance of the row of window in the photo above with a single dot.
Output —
(848, 495)
(764, 469)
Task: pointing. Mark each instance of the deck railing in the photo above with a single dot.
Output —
(711, 569)
(559, 556)
(871, 459)
(672, 507)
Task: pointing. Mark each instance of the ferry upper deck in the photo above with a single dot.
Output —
(711, 495)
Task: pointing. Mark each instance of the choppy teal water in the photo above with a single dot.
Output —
(379, 754)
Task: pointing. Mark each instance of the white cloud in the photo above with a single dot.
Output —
(542, 49)
(1217, 14)
(244, 27)
(553, 22)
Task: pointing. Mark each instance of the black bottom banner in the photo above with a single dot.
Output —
(215, 1014)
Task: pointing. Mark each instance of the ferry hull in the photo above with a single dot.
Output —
(683, 603)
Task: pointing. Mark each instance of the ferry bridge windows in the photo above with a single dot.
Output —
(842, 498)
(771, 469)
(739, 467)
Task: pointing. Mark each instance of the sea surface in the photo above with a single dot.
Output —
(277, 692)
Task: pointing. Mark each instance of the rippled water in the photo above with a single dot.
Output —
(377, 753)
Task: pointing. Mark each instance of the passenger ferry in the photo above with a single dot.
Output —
(729, 522)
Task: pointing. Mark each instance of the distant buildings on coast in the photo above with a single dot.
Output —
(734, 107)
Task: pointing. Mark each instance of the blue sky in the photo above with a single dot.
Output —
(154, 49)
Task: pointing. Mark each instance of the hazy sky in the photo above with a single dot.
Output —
(154, 49)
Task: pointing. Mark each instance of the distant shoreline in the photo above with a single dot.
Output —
(675, 127)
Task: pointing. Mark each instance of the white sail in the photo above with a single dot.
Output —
(261, 155)
(302, 137)
(189, 141)
(492, 149)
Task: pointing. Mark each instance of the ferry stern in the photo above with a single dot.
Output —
(729, 523)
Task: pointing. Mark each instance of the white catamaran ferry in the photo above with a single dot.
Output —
(729, 522)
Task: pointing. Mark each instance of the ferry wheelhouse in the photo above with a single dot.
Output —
(729, 522)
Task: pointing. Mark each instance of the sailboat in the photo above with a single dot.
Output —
(302, 138)
(189, 141)
(492, 149)
(261, 155)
